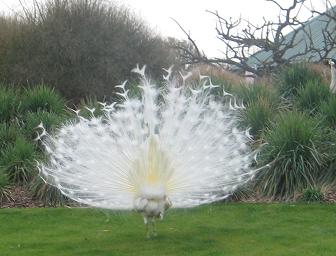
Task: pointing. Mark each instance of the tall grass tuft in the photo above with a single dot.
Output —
(253, 92)
(294, 77)
(47, 194)
(9, 103)
(89, 104)
(42, 98)
(294, 147)
(18, 161)
(258, 116)
(33, 119)
(5, 194)
(8, 135)
(313, 194)
(310, 97)
(328, 112)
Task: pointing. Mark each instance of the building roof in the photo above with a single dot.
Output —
(313, 29)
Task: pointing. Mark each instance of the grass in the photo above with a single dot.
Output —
(225, 229)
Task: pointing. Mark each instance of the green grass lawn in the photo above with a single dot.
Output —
(223, 229)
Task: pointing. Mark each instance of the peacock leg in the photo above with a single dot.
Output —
(154, 227)
(147, 227)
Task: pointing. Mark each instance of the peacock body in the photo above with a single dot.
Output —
(177, 145)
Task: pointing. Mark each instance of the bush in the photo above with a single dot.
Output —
(257, 116)
(310, 97)
(18, 161)
(294, 77)
(295, 151)
(81, 47)
(33, 119)
(47, 194)
(9, 104)
(312, 195)
(42, 98)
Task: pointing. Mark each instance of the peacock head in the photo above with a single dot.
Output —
(332, 62)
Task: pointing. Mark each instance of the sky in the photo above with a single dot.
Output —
(193, 16)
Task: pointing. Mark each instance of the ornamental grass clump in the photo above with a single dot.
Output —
(327, 110)
(47, 194)
(9, 104)
(8, 135)
(253, 92)
(49, 120)
(312, 195)
(258, 116)
(294, 77)
(5, 193)
(295, 152)
(42, 98)
(18, 161)
(310, 97)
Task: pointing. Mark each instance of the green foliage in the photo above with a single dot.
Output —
(9, 104)
(47, 194)
(312, 195)
(257, 116)
(33, 119)
(18, 161)
(310, 97)
(294, 150)
(291, 78)
(42, 98)
(328, 111)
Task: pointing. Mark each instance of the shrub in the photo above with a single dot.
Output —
(42, 98)
(295, 151)
(291, 78)
(46, 193)
(310, 97)
(18, 161)
(312, 195)
(33, 119)
(82, 47)
(257, 116)
(9, 104)
(328, 111)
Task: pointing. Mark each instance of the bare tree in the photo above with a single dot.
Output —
(242, 38)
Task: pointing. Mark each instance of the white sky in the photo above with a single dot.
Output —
(192, 15)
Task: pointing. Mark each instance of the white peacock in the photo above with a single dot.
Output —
(177, 146)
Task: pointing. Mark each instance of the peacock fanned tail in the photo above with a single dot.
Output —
(178, 140)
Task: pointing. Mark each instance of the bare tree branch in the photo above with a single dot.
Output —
(241, 39)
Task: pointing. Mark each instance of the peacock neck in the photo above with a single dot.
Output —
(333, 80)
(333, 73)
